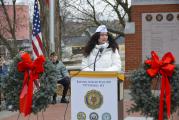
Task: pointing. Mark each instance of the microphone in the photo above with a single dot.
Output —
(101, 50)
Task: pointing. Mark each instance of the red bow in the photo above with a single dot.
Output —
(31, 70)
(165, 68)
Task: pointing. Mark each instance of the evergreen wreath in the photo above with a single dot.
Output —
(12, 86)
(145, 100)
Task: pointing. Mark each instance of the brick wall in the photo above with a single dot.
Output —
(133, 42)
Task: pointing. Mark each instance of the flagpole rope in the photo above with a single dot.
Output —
(18, 116)
(37, 116)
(43, 115)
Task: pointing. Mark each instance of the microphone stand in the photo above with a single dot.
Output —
(99, 51)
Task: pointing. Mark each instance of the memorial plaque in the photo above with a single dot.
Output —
(161, 35)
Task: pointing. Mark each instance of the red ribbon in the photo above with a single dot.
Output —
(165, 68)
(31, 70)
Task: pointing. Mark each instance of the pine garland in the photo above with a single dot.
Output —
(12, 86)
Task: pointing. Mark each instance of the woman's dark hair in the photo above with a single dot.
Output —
(94, 40)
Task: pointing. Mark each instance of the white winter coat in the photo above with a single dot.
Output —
(106, 61)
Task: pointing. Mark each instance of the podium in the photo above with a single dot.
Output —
(96, 95)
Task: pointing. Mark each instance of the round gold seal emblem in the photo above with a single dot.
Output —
(93, 99)
(81, 116)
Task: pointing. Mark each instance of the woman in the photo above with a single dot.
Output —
(101, 52)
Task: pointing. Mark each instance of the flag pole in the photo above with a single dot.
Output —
(52, 22)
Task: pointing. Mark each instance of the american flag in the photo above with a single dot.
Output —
(36, 33)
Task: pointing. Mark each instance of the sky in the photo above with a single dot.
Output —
(19, 1)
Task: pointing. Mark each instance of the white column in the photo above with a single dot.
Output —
(52, 22)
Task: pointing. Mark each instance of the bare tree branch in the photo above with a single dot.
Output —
(78, 18)
(7, 44)
(94, 12)
(82, 11)
(125, 5)
(6, 15)
(3, 29)
(92, 17)
(117, 12)
(14, 25)
(117, 32)
(105, 7)
(10, 28)
(14, 16)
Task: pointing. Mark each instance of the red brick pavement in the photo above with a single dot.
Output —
(127, 105)
(56, 112)
(53, 112)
